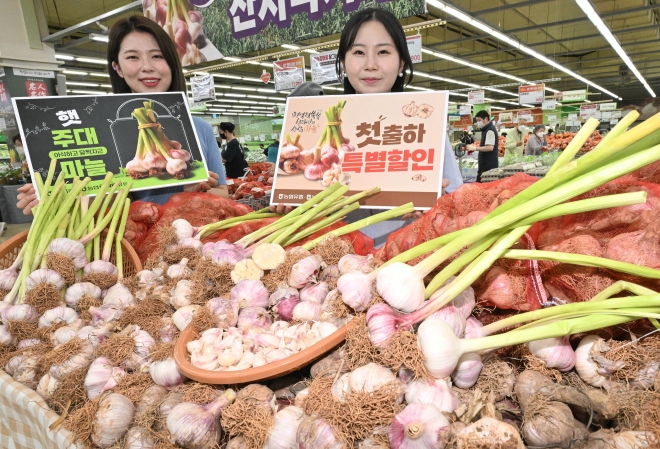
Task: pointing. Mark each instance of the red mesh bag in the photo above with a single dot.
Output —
(135, 232)
(145, 212)
(198, 208)
(454, 211)
(362, 244)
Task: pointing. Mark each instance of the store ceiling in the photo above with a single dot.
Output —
(558, 29)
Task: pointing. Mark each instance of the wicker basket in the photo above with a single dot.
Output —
(10, 249)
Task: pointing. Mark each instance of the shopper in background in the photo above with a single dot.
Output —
(143, 59)
(233, 156)
(263, 149)
(272, 151)
(515, 139)
(536, 143)
(467, 137)
(488, 147)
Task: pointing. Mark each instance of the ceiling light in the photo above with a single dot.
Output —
(266, 102)
(76, 83)
(74, 72)
(232, 59)
(225, 100)
(254, 80)
(458, 94)
(253, 62)
(88, 92)
(266, 64)
(270, 91)
(290, 47)
(252, 89)
(257, 96)
(107, 86)
(504, 38)
(101, 74)
(497, 107)
(492, 89)
(64, 57)
(92, 61)
(236, 95)
(99, 38)
(310, 50)
(248, 101)
(590, 12)
(222, 75)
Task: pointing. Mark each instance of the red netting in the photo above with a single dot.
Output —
(457, 210)
(135, 233)
(362, 244)
(145, 212)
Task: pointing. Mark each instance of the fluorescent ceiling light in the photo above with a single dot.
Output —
(265, 102)
(458, 94)
(290, 47)
(270, 91)
(236, 95)
(64, 57)
(252, 89)
(590, 12)
(88, 92)
(76, 83)
(254, 62)
(101, 74)
(492, 89)
(99, 38)
(74, 72)
(310, 50)
(225, 100)
(232, 59)
(222, 75)
(92, 61)
(497, 107)
(258, 96)
(107, 86)
(504, 38)
(254, 80)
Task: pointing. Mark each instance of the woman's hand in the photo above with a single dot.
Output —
(205, 185)
(280, 209)
(418, 213)
(27, 199)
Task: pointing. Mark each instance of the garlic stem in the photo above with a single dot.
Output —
(212, 227)
(116, 214)
(352, 199)
(326, 222)
(392, 213)
(650, 313)
(91, 210)
(620, 286)
(119, 256)
(74, 216)
(575, 144)
(100, 226)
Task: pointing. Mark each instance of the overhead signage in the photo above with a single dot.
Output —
(525, 114)
(466, 109)
(476, 97)
(397, 144)
(34, 73)
(323, 67)
(128, 135)
(549, 105)
(588, 110)
(415, 48)
(203, 88)
(571, 96)
(506, 117)
(531, 94)
(607, 106)
(289, 73)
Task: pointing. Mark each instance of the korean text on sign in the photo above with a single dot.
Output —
(390, 161)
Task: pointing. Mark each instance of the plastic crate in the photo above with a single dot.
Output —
(256, 203)
(538, 172)
(492, 175)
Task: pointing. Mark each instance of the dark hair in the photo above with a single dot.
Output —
(537, 127)
(141, 24)
(15, 138)
(482, 114)
(227, 126)
(395, 30)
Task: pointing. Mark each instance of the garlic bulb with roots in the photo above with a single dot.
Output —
(71, 249)
(282, 434)
(47, 386)
(179, 269)
(101, 377)
(181, 293)
(467, 370)
(254, 317)
(304, 271)
(355, 262)
(418, 426)
(196, 426)
(44, 275)
(19, 312)
(166, 373)
(183, 316)
(554, 352)
(341, 387)
(59, 314)
(80, 360)
(593, 368)
(224, 310)
(628, 439)
(147, 278)
(437, 392)
(101, 267)
(95, 335)
(401, 286)
(314, 292)
(450, 315)
(8, 278)
(183, 228)
(190, 242)
(138, 438)
(113, 418)
(369, 378)
(120, 295)
(140, 355)
(105, 314)
(63, 335)
(152, 396)
(548, 426)
(355, 288)
(76, 291)
(250, 293)
(316, 433)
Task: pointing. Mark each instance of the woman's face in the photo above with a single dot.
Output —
(373, 63)
(142, 65)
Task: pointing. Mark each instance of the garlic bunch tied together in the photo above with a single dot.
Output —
(196, 426)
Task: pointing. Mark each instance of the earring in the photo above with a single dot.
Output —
(401, 75)
(344, 75)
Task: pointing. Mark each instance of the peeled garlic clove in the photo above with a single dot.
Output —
(183, 316)
(58, 315)
(437, 392)
(314, 292)
(80, 289)
(258, 360)
(304, 272)
(101, 376)
(207, 362)
(307, 311)
(246, 269)
(282, 434)
(341, 386)
(119, 295)
(418, 425)
(181, 294)
(370, 377)
(250, 293)
(180, 269)
(166, 373)
(467, 370)
(44, 275)
(555, 352)
(113, 418)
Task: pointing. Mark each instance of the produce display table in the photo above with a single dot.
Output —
(25, 418)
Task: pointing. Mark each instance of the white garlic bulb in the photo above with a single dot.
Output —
(467, 370)
(183, 228)
(101, 376)
(304, 272)
(138, 438)
(119, 295)
(341, 387)
(437, 392)
(354, 262)
(112, 420)
(58, 315)
(20, 312)
(72, 249)
(555, 352)
(80, 289)
(181, 294)
(47, 386)
(179, 269)
(183, 316)
(307, 311)
(370, 377)
(6, 338)
(166, 373)
(450, 315)
(105, 314)
(80, 360)
(44, 275)
(63, 335)
(282, 434)
(591, 366)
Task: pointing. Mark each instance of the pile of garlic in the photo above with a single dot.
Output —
(236, 349)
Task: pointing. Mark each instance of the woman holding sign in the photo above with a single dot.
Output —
(373, 58)
(142, 59)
